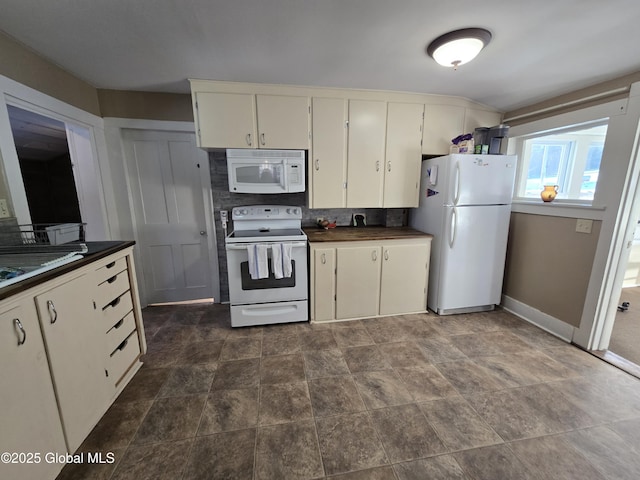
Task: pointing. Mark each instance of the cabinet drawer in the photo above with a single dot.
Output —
(115, 310)
(123, 357)
(112, 288)
(110, 269)
(120, 331)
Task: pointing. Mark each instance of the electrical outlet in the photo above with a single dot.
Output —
(584, 225)
(224, 216)
(4, 208)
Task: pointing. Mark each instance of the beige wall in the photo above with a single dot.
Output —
(146, 105)
(23, 65)
(549, 264)
(28, 68)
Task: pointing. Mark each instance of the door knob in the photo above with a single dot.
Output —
(203, 232)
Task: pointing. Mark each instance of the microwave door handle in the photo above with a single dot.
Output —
(285, 175)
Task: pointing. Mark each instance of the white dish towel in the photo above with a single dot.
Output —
(258, 264)
(281, 260)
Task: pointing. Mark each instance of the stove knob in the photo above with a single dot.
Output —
(243, 211)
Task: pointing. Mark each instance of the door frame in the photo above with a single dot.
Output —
(121, 198)
(27, 98)
(596, 335)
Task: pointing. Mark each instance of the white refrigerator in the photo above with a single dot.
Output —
(465, 203)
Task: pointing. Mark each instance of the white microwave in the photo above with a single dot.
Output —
(265, 171)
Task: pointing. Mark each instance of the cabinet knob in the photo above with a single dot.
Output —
(248, 138)
(52, 311)
(18, 324)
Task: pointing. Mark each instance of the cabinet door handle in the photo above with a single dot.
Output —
(52, 310)
(323, 258)
(377, 165)
(317, 164)
(248, 138)
(18, 323)
(386, 254)
(262, 142)
(374, 255)
(388, 166)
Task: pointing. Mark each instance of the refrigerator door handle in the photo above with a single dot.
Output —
(453, 227)
(456, 185)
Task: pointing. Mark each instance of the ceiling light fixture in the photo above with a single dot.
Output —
(458, 47)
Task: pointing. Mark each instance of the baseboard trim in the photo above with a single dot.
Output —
(540, 319)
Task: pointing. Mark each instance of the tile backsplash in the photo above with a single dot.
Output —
(225, 200)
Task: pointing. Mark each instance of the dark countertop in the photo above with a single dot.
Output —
(351, 234)
(97, 250)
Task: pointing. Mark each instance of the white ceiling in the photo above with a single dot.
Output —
(539, 49)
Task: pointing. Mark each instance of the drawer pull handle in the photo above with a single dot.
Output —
(122, 345)
(119, 324)
(110, 265)
(112, 279)
(115, 302)
(52, 311)
(18, 323)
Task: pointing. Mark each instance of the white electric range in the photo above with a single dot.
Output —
(262, 299)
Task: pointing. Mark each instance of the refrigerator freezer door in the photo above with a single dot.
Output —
(480, 180)
(472, 257)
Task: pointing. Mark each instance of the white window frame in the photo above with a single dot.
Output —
(574, 159)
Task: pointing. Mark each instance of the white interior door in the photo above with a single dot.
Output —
(171, 193)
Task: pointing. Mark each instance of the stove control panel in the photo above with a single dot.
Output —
(266, 212)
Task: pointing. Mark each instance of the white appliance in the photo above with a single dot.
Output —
(265, 171)
(465, 203)
(262, 301)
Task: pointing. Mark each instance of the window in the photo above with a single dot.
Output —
(569, 159)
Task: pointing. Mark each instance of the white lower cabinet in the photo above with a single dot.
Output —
(29, 420)
(357, 281)
(403, 286)
(370, 278)
(324, 279)
(74, 340)
(68, 348)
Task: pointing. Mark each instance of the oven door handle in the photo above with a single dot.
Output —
(244, 246)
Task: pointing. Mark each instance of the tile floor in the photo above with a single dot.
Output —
(478, 396)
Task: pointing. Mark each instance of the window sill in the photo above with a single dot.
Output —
(558, 208)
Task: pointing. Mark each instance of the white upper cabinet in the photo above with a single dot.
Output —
(442, 123)
(366, 151)
(403, 155)
(239, 120)
(226, 120)
(328, 159)
(283, 121)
